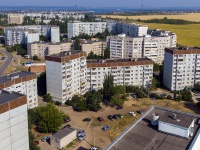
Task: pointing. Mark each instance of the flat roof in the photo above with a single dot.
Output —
(63, 132)
(6, 96)
(141, 135)
(65, 53)
(183, 50)
(8, 77)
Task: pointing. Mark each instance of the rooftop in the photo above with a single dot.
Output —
(118, 60)
(65, 53)
(183, 50)
(141, 135)
(63, 132)
(6, 96)
(14, 75)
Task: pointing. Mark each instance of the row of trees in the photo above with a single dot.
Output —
(165, 20)
(106, 55)
(19, 49)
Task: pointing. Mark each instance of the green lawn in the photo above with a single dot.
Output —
(187, 35)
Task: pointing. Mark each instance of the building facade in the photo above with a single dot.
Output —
(97, 47)
(29, 34)
(13, 121)
(45, 48)
(181, 67)
(137, 72)
(89, 28)
(152, 47)
(15, 18)
(66, 75)
(24, 83)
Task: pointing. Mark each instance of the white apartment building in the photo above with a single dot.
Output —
(152, 47)
(90, 28)
(45, 48)
(66, 74)
(97, 47)
(15, 18)
(28, 34)
(137, 72)
(55, 34)
(181, 67)
(24, 83)
(13, 121)
(132, 30)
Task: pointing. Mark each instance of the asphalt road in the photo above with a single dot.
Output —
(6, 62)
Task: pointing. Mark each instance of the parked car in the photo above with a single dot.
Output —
(110, 117)
(139, 112)
(86, 120)
(82, 137)
(94, 148)
(44, 139)
(163, 95)
(100, 119)
(119, 107)
(66, 126)
(105, 128)
(116, 116)
(36, 142)
(120, 116)
(132, 113)
(67, 119)
(81, 132)
(197, 94)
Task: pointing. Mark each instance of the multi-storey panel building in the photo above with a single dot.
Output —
(24, 83)
(97, 47)
(15, 18)
(66, 74)
(13, 121)
(90, 28)
(137, 72)
(122, 46)
(28, 34)
(46, 48)
(181, 67)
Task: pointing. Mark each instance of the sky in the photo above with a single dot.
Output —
(103, 3)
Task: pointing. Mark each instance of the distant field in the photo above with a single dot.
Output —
(187, 35)
(188, 16)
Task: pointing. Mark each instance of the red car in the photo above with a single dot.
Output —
(100, 119)
(36, 142)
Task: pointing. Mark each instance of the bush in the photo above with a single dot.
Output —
(169, 97)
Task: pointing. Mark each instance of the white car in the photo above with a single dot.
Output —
(93, 148)
(132, 113)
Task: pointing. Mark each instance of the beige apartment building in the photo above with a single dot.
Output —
(43, 49)
(152, 47)
(15, 18)
(97, 47)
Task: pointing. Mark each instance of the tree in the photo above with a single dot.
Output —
(93, 100)
(81, 105)
(108, 85)
(77, 44)
(119, 90)
(48, 98)
(197, 87)
(116, 100)
(41, 84)
(91, 55)
(35, 57)
(156, 67)
(49, 118)
(107, 53)
(154, 84)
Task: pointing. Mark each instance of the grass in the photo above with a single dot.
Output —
(187, 16)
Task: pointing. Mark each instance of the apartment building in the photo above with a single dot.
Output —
(90, 28)
(28, 34)
(181, 67)
(132, 30)
(66, 74)
(97, 47)
(137, 72)
(55, 34)
(13, 121)
(15, 18)
(24, 83)
(152, 47)
(45, 48)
